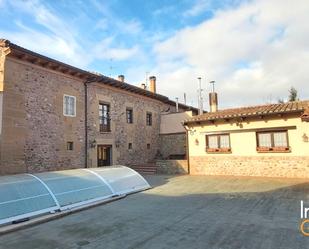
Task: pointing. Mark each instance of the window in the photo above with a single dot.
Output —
(272, 141)
(104, 117)
(149, 118)
(69, 145)
(148, 146)
(129, 115)
(130, 146)
(218, 143)
(69, 106)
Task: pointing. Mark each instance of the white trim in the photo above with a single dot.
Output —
(79, 190)
(47, 188)
(23, 199)
(28, 215)
(70, 96)
(102, 179)
(82, 203)
(147, 184)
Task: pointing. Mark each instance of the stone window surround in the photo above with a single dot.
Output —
(64, 110)
(109, 125)
(130, 119)
(70, 145)
(149, 118)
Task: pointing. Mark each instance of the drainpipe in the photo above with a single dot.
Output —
(91, 80)
(187, 149)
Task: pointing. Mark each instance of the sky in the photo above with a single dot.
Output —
(254, 50)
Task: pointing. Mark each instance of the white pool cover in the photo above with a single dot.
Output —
(27, 195)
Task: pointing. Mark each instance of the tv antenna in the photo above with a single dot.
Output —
(147, 76)
(213, 85)
(200, 97)
(111, 67)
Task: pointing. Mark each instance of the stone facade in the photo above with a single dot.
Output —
(123, 133)
(34, 129)
(172, 144)
(265, 166)
(172, 166)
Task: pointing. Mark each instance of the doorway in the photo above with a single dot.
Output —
(104, 155)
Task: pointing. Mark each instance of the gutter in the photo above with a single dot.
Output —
(86, 83)
(187, 149)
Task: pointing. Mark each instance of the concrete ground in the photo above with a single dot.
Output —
(183, 212)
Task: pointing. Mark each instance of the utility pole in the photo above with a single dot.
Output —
(200, 97)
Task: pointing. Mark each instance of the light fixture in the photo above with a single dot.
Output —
(93, 144)
(196, 142)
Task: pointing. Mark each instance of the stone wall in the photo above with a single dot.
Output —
(172, 144)
(266, 166)
(172, 166)
(35, 131)
(122, 133)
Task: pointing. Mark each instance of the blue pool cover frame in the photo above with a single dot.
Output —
(24, 196)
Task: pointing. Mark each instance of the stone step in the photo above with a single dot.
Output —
(145, 169)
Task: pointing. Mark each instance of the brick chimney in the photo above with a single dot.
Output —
(121, 78)
(143, 86)
(213, 101)
(152, 81)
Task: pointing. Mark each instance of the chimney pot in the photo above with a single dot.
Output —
(213, 101)
(143, 86)
(121, 78)
(152, 80)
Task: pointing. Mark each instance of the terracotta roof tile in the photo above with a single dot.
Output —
(17, 50)
(251, 111)
(305, 116)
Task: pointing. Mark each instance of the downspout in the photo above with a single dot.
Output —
(86, 117)
(86, 123)
(187, 149)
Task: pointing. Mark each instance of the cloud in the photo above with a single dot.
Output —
(253, 50)
(197, 8)
(105, 50)
(54, 36)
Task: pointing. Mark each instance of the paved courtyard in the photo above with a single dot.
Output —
(182, 212)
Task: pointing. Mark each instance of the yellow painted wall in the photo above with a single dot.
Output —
(244, 143)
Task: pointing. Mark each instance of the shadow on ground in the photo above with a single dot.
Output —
(183, 212)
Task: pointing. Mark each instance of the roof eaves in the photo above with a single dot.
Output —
(89, 75)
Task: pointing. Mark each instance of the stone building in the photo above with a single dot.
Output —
(55, 116)
(267, 140)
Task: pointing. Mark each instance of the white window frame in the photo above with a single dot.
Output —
(64, 113)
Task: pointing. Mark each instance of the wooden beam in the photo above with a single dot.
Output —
(278, 128)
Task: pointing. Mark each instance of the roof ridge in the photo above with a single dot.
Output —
(116, 83)
(265, 105)
(253, 111)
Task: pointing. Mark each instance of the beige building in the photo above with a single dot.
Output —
(268, 140)
(55, 116)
